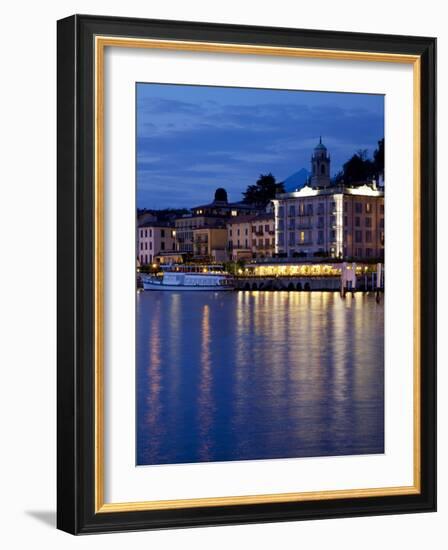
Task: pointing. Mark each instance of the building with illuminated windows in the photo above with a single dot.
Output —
(205, 230)
(251, 237)
(327, 220)
(154, 238)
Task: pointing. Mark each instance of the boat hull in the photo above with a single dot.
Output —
(186, 288)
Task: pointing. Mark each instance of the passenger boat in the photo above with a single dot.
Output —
(181, 278)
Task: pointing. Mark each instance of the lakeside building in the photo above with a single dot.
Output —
(154, 238)
(203, 232)
(251, 237)
(328, 220)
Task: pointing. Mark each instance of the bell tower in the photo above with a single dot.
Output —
(320, 166)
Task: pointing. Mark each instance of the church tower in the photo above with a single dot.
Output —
(320, 166)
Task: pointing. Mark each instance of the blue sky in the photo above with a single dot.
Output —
(193, 139)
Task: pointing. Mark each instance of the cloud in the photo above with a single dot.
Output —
(185, 149)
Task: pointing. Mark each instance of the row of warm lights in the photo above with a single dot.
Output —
(318, 270)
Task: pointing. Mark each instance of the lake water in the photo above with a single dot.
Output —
(258, 375)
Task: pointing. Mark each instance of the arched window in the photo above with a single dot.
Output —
(322, 169)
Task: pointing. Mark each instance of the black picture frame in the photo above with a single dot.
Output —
(76, 263)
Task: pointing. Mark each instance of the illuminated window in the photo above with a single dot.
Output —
(234, 213)
(302, 236)
(368, 207)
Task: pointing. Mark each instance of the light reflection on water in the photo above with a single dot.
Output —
(257, 375)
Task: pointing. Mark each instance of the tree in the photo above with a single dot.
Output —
(263, 191)
(358, 169)
(378, 158)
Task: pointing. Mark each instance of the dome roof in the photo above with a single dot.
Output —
(320, 146)
(220, 195)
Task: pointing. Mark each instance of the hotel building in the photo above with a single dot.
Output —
(327, 220)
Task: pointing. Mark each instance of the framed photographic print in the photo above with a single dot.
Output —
(247, 274)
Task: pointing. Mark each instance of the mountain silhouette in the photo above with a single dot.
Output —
(296, 180)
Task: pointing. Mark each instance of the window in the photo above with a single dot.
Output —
(230, 232)
(162, 232)
(246, 231)
(320, 221)
(320, 208)
(150, 245)
(302, 236)
(381, 223)
(281, 239)
(309, 209)
(246, 244)
(332, 221)
(368, 252)
(141, 246)
(292, 223)
(368, 236)
(368, 207)
(292, 239)
(292, 210)
(358, 236)
(358, 207)
(320, 237)
(150, 232)
(357, 221)
(281, 211)
(238, 231)
(381, 208)
(162, 245)
(322, 169)
(266, 228)
(345, 221)
(146, 232)
(266, 242)
(368, 222)
(332, 235)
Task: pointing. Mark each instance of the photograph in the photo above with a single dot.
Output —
(260, 273)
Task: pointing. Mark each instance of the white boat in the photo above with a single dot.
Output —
(180, 281)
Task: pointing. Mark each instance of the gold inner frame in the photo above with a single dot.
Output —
(101, 42)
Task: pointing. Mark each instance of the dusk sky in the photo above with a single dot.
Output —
(193, 139)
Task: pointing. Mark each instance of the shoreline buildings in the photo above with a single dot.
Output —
(322, 220)
(330, 220)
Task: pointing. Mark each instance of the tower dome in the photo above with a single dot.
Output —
(320, 146)
(221, 195)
